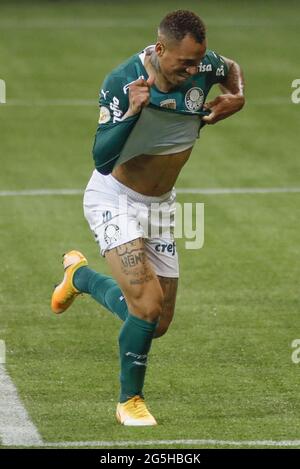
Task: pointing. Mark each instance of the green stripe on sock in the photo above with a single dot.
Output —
(135, 341)
(103, 289)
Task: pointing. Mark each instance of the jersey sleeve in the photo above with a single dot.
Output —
(112, 132)
(219, 67)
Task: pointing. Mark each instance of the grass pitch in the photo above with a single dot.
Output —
(224, 370)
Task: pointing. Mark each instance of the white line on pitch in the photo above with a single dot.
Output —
(195, 190)
(238, 190)
(16, 428)
(52, 102)
(266, 101)
(154, 443)
(38, 192)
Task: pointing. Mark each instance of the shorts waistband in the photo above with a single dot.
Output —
(137, 196)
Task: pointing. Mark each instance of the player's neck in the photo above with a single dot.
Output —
(152, 66)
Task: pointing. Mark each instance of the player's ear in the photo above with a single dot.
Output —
(159, 48)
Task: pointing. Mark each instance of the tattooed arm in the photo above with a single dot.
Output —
(232, 99)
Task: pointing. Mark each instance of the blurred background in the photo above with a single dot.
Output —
(55, 54)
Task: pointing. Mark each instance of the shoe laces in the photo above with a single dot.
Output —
(137, 406)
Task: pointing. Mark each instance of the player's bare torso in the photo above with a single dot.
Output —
(152, 175)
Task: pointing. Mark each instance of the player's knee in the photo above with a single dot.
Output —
(161, 329)
(150, 310)
(148, 306)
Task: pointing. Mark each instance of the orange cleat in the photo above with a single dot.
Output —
(65, 293)
(134, 413)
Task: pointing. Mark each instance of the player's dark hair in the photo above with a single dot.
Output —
(177, 24)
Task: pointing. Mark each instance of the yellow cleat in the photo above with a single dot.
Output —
(65, 293)
(134, 413)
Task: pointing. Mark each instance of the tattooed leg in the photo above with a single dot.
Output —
(139, 283)
(143, 293)
(169, 288)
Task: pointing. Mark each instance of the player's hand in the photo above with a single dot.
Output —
(223, 106)
(139, 95)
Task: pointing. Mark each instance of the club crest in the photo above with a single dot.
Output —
(194, 99)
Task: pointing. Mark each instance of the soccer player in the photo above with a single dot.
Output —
(151, 110)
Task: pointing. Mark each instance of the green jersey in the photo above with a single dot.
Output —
(175, 113)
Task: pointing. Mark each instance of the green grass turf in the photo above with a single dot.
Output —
(224, 370)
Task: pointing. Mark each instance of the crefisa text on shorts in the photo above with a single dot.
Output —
(151, 458)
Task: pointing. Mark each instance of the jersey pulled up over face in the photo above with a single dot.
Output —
(181, 103)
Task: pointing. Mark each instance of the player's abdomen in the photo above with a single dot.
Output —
(152, 174)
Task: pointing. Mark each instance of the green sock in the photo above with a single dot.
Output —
(135, 342)
(103, 289)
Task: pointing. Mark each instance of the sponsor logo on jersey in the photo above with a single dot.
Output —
(204, 67)
(166, 247)
(111, 233)
(168, 103)
(114, 107)
(194, 99)
(104, 115)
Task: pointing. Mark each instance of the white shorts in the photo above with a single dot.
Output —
(117, 214)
